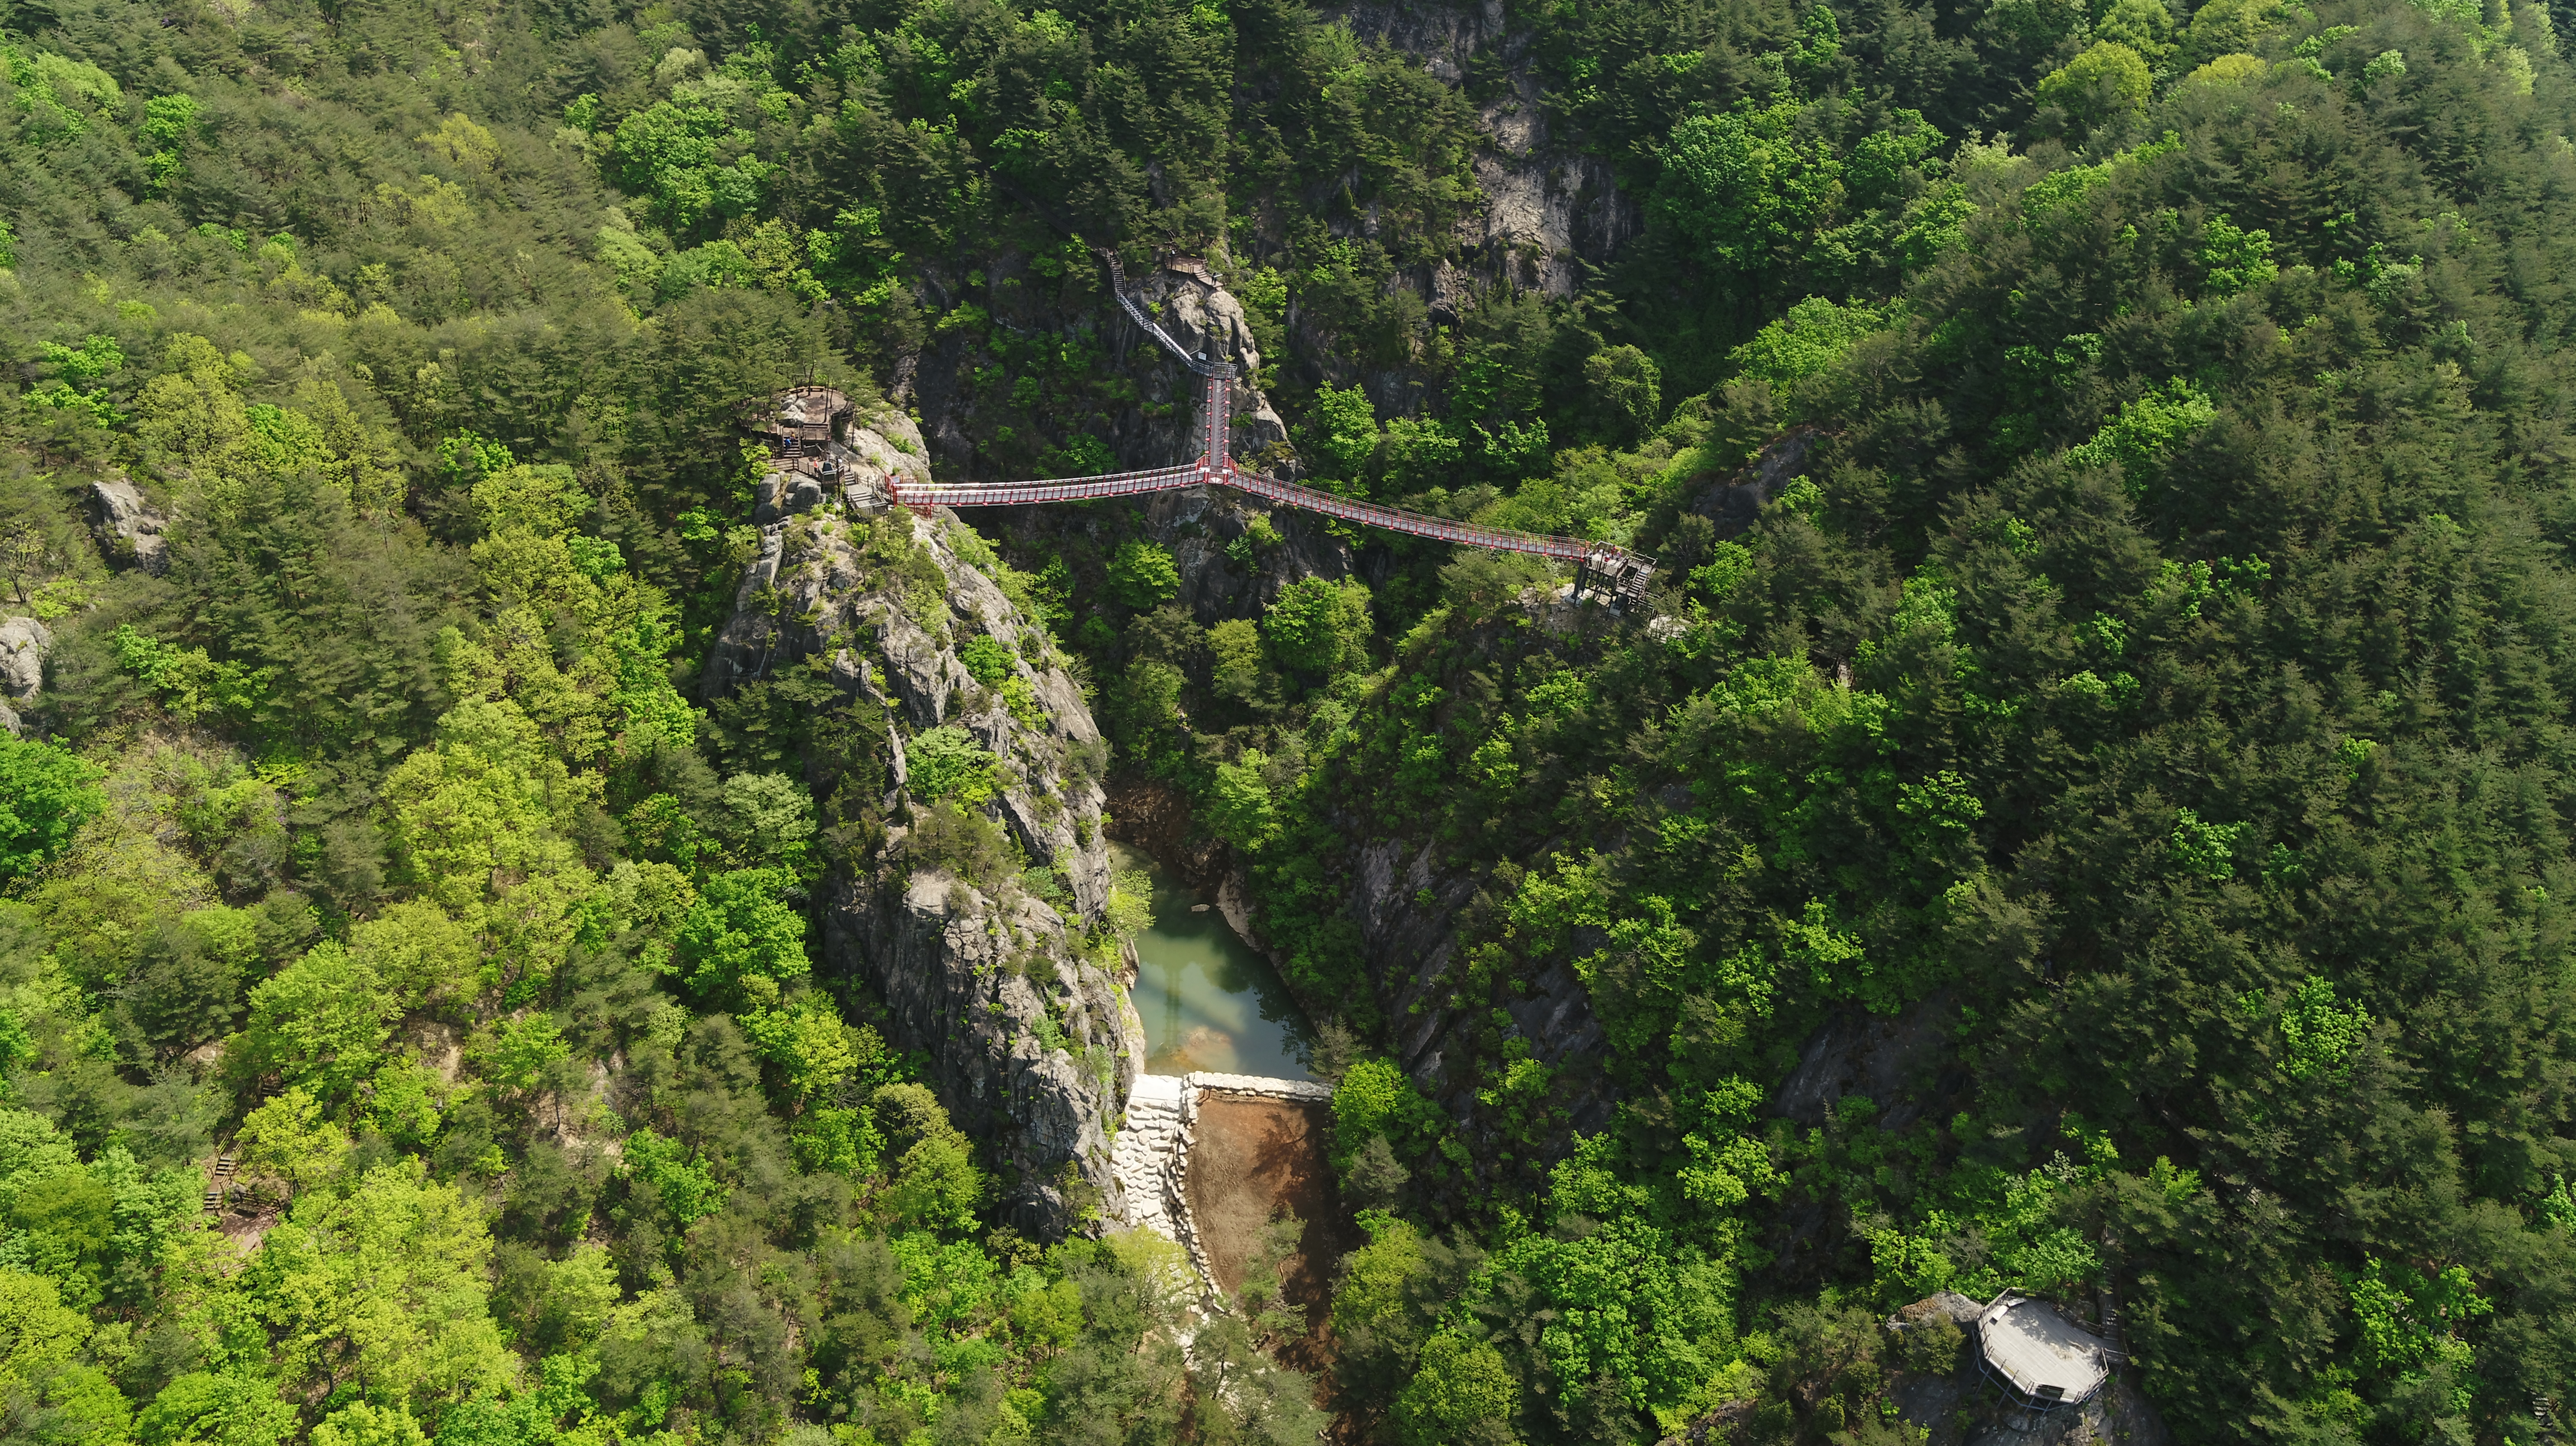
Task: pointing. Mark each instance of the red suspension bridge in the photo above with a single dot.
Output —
(1614, 568)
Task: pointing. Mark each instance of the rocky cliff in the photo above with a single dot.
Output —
(1002, 974)
(1203, 526)
(1551, 216)
(1552, 211)
(1407, 904)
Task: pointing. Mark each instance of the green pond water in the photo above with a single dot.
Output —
(1208, 1001)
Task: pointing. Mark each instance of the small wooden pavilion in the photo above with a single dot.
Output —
(803, 421)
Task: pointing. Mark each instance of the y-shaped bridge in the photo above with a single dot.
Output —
(1624, 572)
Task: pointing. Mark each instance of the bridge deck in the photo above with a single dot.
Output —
(1627, 572)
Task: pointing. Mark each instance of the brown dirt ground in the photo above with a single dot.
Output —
(1253, 1158)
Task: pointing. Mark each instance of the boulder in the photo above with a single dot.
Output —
(129, 525)
(23, 642)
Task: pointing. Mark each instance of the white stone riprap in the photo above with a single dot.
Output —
(1305, 1091)
(1144, 1149)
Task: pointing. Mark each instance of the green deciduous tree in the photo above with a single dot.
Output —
(46, 794)
(1142, 575)
(946, 763)
(737, 930)
(1746, 188)
(1319, 626)
(383, 1287)
(2108, 80)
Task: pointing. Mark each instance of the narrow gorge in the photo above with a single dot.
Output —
(1247, 723)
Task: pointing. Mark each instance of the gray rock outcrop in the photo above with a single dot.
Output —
(1553, 210)
(1201, 525)
(1000, 981)
(1897, 1063)
(1732, 504)
(889, 444)
(1203, 316)
(130, 527)
(23, 642)
(967, 978)
(1407, 904)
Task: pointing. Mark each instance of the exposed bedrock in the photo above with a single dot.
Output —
(1031, 1040)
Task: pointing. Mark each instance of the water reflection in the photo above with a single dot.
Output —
(1208, 1001)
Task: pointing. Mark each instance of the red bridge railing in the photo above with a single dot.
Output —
(1626, 572)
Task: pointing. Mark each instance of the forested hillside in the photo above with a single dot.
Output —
(2085, 811)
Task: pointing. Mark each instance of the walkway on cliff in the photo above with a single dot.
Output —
(1616, 568)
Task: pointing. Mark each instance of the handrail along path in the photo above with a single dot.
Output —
(1617, 568)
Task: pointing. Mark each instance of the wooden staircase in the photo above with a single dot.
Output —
(222, 1184)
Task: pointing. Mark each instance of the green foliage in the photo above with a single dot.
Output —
(46, 794)
(1462, 1391)
(523, 1051)
(1130, 910)
(1081, 455)
(388, 752)
(1805, 342)
(691, 154)
(987, 659)
(2145, 432)
(1234, 646)
(1374, 1100)
(2316, 1034)
(290, 1136)
(964, 843)
(1142, 575)
(768, 820)
(2207, 850)
(321, 1022)
(192, 683)
(807, 1042)
(2170, 483)
(386, 1282)
(947, 764)
(97, 356)
(681, 1183)
(2406, 1317)
(1746, 188)
(208, 1408)
(2237, 260)
(1625, 390)
(739, 930)
(1319, 626)
(1239, 807)
(1342, 438)
(2107, 81)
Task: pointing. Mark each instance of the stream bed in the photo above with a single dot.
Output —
(1208, 1000)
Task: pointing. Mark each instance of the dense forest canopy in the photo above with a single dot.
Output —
(2109, 469)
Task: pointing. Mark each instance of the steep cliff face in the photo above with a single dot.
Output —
(1553, 214)
(1201, 525)
(1000, 977)
(1155, 420)
(1407, 904)
(1552, 211)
